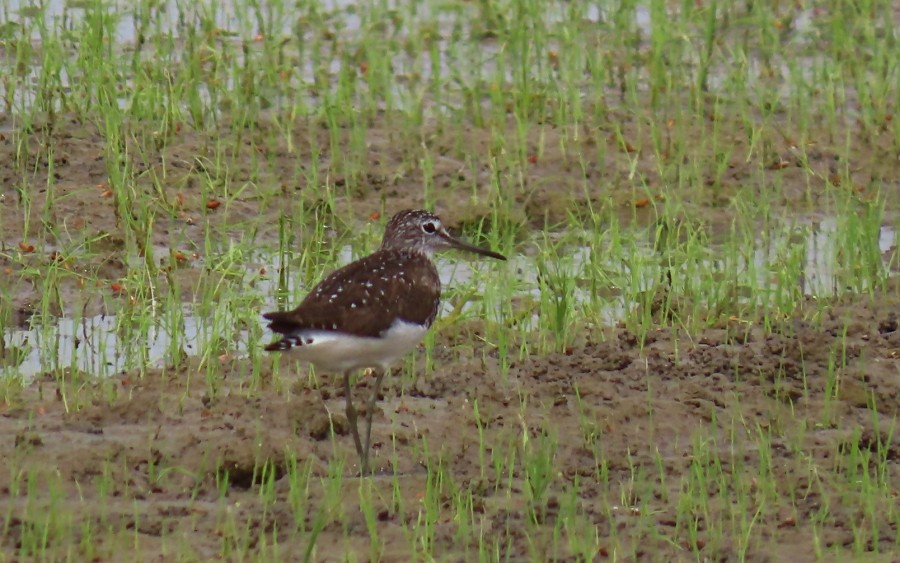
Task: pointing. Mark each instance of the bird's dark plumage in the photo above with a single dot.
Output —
(365, 297)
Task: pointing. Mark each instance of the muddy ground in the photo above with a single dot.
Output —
(258, 174)
(157, 441)
(645, 407)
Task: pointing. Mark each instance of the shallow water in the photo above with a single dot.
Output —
(470, 60)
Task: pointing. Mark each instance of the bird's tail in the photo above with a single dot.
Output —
(281, 322)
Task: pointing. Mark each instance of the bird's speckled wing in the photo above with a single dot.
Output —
(365, 297)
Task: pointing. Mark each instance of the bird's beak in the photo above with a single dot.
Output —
(460, 245)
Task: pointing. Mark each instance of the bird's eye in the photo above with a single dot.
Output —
(429, 228)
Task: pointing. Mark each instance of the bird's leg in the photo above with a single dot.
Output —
(370, 413)
(351, 418)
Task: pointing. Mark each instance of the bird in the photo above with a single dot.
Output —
(373, 311)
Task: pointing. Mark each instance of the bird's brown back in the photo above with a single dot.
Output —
(365, 297)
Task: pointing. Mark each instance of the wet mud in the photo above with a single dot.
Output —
(630, 422)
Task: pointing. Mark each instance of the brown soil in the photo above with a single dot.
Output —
(560, 169)
(161, 439)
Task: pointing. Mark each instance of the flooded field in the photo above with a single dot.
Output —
(691, 354)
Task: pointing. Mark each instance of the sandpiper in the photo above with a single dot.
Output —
(373, 311)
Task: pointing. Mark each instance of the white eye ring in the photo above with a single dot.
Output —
(429, 228)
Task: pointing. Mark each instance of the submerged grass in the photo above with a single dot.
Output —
(658, 165)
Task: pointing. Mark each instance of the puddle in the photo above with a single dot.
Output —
(101, 346)
(94, 345)
(821, 271)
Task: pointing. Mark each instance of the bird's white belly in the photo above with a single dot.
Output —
(336, 352)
